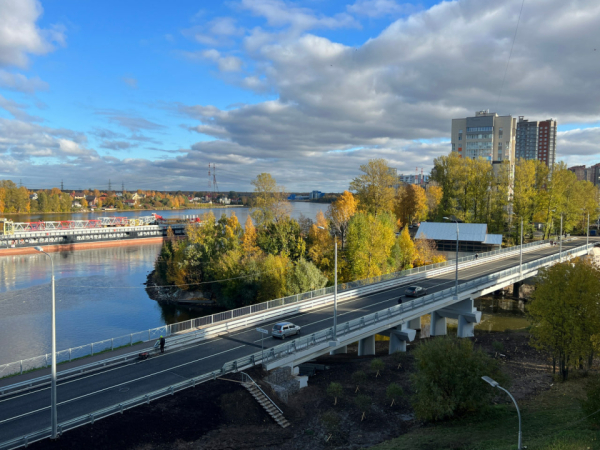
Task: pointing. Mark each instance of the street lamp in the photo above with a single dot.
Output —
(496, 385)
(561, 236)
(587, 237)
(53, 417)
(334, 288)
(456, 276)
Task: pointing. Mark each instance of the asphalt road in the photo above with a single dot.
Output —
(27, 412)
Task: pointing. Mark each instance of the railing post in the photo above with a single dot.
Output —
(46, 357)
(112, 344)
(21, 366)
(92, 349)
(70, 354)
(148, 334)
(131, 339)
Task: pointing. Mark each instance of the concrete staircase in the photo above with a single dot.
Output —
(267, 404)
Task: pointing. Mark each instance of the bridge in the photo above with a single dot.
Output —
(203, 349)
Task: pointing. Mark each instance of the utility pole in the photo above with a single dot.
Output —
(122, 187)
(109, 185)
(62, 187)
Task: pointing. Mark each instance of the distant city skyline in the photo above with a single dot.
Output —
(307, 91)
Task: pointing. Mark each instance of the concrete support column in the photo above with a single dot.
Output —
(366, 346)
(438, 324)
(517, 288)
(415, 324)
(399, 336)
(339, 351)
(466, 314)
(465, 328)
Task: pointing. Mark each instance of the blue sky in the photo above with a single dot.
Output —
(150, 93)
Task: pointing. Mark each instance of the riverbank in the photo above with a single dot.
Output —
(221, 415)
(87, 211)
(174, 296)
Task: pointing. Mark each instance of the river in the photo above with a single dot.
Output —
(99, 293)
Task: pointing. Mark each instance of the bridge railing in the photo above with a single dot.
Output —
(283, 350)
(67, 355)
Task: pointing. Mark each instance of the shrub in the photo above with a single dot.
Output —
(335, 390)
(447, 381)
(377, 366)
(359, 377)
(399, 358)
(363, 403)
(591, 404)
(394, 392)
(498, 346)
(330, 421)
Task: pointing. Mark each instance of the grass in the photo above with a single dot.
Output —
(74, 359)
(551, 421)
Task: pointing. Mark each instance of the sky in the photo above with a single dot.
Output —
(150, 93)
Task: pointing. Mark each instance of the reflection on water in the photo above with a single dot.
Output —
(501, 314)
(99, 294)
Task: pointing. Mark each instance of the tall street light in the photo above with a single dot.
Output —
(334, 288)
(53, 417)
(496, 385)
(456, 276)
(561, 237)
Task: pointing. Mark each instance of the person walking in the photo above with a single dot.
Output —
(162, 344)
(476, 255)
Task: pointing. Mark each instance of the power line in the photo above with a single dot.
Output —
(509, 56)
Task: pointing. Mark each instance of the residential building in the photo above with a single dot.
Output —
(591, 174)
(486, 135)
(91, 200)
(536, 140)
(316, 194)
(419, 178)
(33, 196)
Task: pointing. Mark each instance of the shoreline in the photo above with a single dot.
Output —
(81, 246)
(125, 210)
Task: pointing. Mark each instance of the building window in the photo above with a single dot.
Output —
(460, 135)
(500, 133)
(453, 147)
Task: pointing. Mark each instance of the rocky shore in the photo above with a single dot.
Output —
(175, 296)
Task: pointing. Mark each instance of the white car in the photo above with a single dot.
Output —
(285, 329)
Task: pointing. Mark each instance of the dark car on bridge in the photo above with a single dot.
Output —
(285, 329)
(415, 291)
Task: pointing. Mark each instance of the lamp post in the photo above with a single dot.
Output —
(560, 240)
(334, 288)
(53, 417)
(496, 385)
(456, 275)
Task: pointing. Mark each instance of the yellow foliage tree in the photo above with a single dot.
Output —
(434, 197)
(249, 246)
(375, 188)
(426, 253)
(320, 245)
(407, 250)
(340, 212)
(411, 204)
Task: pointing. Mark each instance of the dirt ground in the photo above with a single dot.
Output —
(221, 415)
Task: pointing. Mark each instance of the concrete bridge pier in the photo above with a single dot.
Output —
(399, 336)
(339, 350)
(466, 314)
(517, 289)
(366, 346)
(438, 325)
(415, 324)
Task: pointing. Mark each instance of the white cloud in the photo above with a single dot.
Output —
(130, 81)
(225, 63)
(19, 82)
(19, 35)
(379, 8)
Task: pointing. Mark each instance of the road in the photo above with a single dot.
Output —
(30, 411)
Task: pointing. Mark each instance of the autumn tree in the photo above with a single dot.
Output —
(339, 214)
(375, 188)
(406, 250)
(411, 204)
(565, 313)
(269, 203)
(370, 242)
(320, 245)
(434, 197)
(249, 246)
(426, 252)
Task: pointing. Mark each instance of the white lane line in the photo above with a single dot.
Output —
(121, 384)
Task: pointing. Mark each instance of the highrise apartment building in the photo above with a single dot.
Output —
(591, 174)
(536, 140)
(486, 135)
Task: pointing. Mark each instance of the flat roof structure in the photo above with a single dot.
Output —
(471, 236)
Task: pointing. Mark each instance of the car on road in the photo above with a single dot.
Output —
(285, 329)
(415, 291)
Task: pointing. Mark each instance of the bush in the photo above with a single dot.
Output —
(592, 403)
(498, 346)
(358, 378)
(377, 366)
(447, 381)
(399, 358)
(335, 390)
(330, 421)
(394, 392)
(363, 403)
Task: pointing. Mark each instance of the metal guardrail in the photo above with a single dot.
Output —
(283, 350)
(42, 361)
(248, 379)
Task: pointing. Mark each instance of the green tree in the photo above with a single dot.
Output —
(282, 237)
(269, 203)
(335, 390)
(359, 378)
(304, 276)
(375, 188)
(406, 250)
(447, 380)
(377, 365)
(363, 403)
(369, 246)
(565, 313)
(394, 392)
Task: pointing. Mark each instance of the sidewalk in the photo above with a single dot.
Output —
(73, 364)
